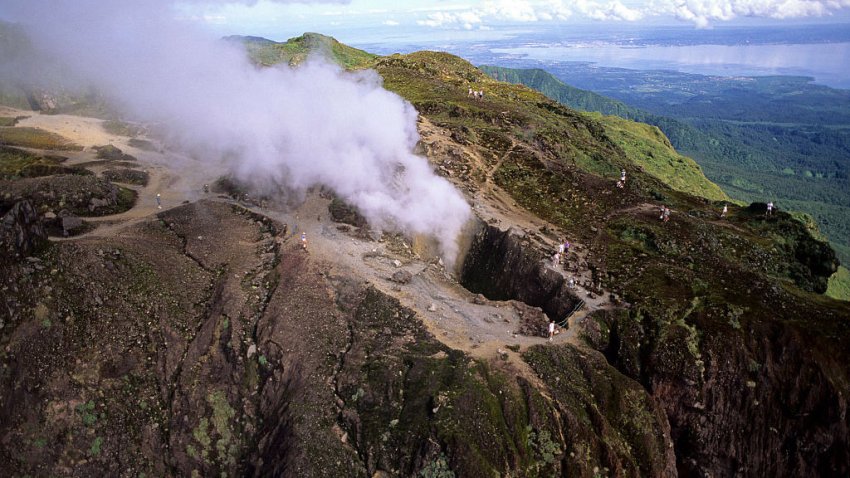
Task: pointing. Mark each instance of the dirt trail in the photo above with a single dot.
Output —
(455, 316)
(173, 187)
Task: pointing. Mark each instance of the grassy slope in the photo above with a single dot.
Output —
(35, 138)
(647, 146)
(743, 162)
(839, 285)
(296, 50)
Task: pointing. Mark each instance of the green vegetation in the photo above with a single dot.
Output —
(87, 413)
(543, 446)
(35, 138)
(95, 446)
(296, 50)
(648, 148)
(142, 144)
(767, 138)
(126, 199)
(839, 285)
(122, 128)
(7, 121)
(112, 153)
(222, 416)
(13, 161)
(437, 468)
(18, 163)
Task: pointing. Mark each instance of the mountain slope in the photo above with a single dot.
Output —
(743, 137)
(647, 147)
(296, 50)
(698, 287)
(203, 339)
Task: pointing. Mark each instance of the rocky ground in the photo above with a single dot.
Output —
(197, 337)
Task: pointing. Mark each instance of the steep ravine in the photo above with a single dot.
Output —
(501, 265)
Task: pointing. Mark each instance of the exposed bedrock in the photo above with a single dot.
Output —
(21, 230)
(502, 265)
(762, 400)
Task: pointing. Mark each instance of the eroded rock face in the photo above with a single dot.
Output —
(206, 343)
(21, 231)
(756, 400)
(501, 266)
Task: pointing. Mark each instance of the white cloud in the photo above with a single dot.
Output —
(703, 12)
(391, 23)
(466, 20)
(699, 12)
(517, 10)
(614, 10)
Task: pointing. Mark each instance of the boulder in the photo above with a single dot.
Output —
(402, 277)
(21, 231)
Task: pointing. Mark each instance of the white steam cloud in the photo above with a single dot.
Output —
(274, 127)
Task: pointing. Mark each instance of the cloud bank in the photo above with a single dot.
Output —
(699, 12)
(274, 127)
(702, 12)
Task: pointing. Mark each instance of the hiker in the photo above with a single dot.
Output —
(725, 210)
(551, 329)
(556, 259)
(571, 283)
(158, 201)
(206, 188)
(304, 241)
(561, 248)
(661, 213)
(623, 176)
(769, 208)
(566, 246)
(481, 94)
(470, 94)
(666, 214)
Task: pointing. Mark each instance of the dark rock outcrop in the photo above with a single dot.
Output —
(21, 231)
(501, 266)
(760, 401)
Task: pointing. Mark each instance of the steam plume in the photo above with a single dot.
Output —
(314, 125)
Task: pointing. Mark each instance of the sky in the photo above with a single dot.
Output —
(355, 20)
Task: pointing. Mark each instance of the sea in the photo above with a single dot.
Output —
(818, 51)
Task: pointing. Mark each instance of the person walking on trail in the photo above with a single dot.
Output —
(556, 259)
(158, 201)
(665, 216)
(304, 241)
(769, 209)
(725, 210)
(565, 248)
(623, 176)
(551, 329)
(572, 283)
(470, 94)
